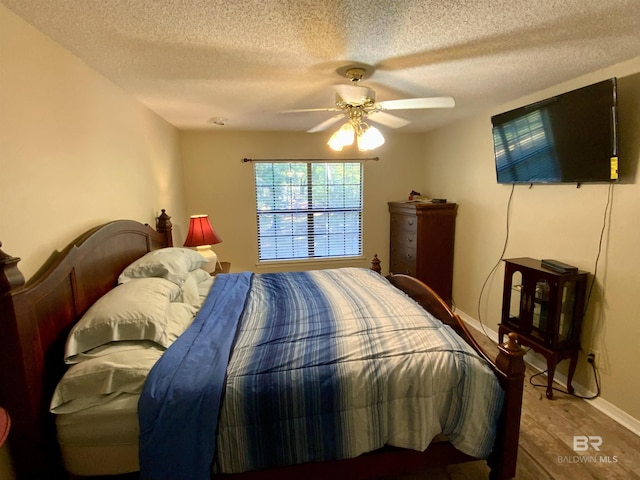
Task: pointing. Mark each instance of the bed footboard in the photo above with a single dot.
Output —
(509, 368)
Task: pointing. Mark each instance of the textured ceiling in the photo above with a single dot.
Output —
(191, 60)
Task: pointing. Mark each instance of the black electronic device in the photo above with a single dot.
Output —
(558, 267)
(438, 200)
(569, 138)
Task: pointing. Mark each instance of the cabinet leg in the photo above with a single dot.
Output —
(572, 369)
(501, 333)
(551, 371)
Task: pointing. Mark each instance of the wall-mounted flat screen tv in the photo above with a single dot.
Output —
(569, 138)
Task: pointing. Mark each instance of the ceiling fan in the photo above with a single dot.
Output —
(357, 103)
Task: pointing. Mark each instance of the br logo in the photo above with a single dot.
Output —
(582, 443)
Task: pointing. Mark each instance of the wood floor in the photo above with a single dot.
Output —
(546, 443)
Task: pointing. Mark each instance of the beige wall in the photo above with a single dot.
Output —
(551, 221)
(222, 186)
(75, 150)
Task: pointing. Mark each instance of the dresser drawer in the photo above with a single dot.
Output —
(404, 239)
(403, 258)
(404, 223)
(404, 232)
(399, 266)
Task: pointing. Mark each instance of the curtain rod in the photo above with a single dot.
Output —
(246, 160)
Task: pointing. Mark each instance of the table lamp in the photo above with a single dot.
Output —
(201, 236)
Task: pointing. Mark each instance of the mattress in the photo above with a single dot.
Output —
(93, 440)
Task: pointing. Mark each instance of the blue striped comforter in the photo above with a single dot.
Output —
(330, 364)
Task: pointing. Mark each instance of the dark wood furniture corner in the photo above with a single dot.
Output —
(422, 238)
(545, 308)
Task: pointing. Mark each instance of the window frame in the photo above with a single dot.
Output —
(311, 211)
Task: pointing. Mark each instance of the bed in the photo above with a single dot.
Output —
(36, 318)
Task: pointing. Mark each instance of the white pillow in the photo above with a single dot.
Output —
(135, 310)
(205, 282)
(172, 263)
(200, 275)
(179, 317)
(98, 380)
(109, 348)
(189, 291)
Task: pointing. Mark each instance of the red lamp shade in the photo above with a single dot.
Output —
(201, 232)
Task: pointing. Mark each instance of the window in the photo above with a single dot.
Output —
(308, 210)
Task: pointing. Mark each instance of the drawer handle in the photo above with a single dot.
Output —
(410, 239)
(410, 222)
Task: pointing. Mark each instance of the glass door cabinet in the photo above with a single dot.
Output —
(545, 308)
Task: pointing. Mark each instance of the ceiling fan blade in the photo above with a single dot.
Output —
(387, 119)
(326, 124)
(415, 103)
(355, 94)
(328, 109)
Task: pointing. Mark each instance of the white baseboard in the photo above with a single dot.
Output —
(610, 410)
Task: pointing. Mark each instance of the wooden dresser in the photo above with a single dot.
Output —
(422, 242)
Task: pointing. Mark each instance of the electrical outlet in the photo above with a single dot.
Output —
(591, 358)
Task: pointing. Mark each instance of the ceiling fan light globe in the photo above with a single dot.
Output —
(346, 133)
(343, 137)
(370, 139)
(335, 146)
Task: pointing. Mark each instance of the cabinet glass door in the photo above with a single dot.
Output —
(567, 311)
(516, 298)
(540, 309)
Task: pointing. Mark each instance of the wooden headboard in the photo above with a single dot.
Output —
(35, 318)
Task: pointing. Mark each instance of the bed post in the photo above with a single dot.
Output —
(375, 264)
(164, 226)
(504, 456)
(10, 276)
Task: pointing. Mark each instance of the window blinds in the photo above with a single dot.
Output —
(308, 209)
